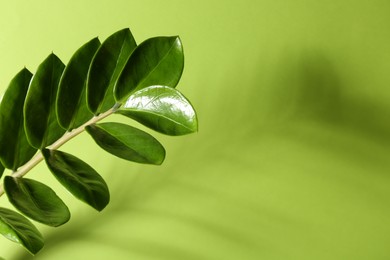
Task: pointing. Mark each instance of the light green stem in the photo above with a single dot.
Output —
(23, 170)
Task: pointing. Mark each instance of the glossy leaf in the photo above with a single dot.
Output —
(79, 178)
(41, 123)
(127, 142)
(36, 200)
(163, 109)
(156, 61)
(105, 68)
(15, 150)
(71, 105)
(19, 229)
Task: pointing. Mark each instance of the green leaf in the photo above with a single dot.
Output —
(1, 169)
(78, 177)
(40, 118)
(105, 68)
(36, 200)
(127, 142)
(163, 109)
(156, 61)
(15, 150)
(71, 104)
(19, 229)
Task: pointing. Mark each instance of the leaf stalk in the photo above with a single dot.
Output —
(23, 170)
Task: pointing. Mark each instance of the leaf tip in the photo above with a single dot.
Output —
(102, 204)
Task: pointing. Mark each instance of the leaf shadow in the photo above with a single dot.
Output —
(312, 89)
(306, 89)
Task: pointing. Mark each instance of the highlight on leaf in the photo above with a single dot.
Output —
(156, 61)
(19, 229)
(45, 110)
(163, 109)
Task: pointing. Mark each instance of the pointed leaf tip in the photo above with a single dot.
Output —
(127, 142)
(71, 101)
(40, 119)
(105, 68)
(15, 150)
(19, 229)
(163, 109)
(156, 61)
(78, 177)
(36, 200)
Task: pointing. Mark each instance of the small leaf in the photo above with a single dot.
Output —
(163, 109)
(19, 229)
(106, 65)
(40, 118)
(15, 150)
(127, 142)
(71, 101)
(156, 61)
(36, 200)
(78, 177)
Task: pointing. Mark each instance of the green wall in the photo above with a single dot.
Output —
(292, 156)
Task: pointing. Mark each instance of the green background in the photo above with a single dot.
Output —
(291, 160)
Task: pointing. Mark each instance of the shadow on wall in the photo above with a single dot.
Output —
(310, 88)
(306, 90)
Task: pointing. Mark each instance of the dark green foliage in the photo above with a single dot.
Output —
(1, 169)
(156, 61)
(15, 150)
(36, 200)
(71, 102)
(19, 229)
(40, 120)
(127, 142)
(78, 177)
(105, 68)
(45, 110)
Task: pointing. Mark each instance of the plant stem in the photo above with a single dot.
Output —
(23, 170)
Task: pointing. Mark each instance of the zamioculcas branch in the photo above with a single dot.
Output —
(42, 111)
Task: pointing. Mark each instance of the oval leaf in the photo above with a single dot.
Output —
(36, 200)
(71, 104)
(40, 118)
(156, 61)
(127, 142)
(105, 68)
(163, 109)
(19, 229)
(15, 150)
(79, 178)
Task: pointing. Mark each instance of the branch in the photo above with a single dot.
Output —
(23, 170)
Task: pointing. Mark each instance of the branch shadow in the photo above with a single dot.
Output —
(308, 88)
(311, 88)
